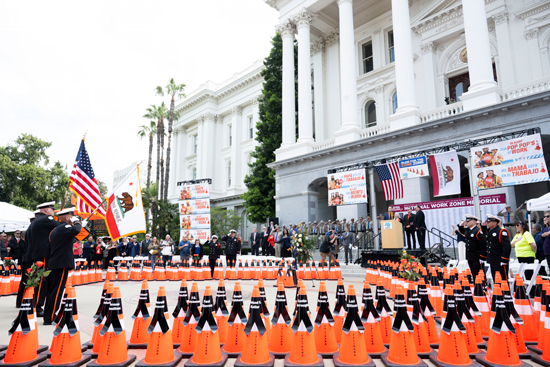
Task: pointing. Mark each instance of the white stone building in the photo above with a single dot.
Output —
(215, 136)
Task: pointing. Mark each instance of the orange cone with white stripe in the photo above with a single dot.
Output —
(237, 320)
(340, 309)
(265, 310)
(420, 333)
(370, 318)
(428, 312)
(544, 306)
(114, 351)
(281, 334)
(544, 359)
(140, 337)
(516, 320)
(179, 313)
(384, 311)
(221, 312)
(100, 318)
(536, 299)
(482, 305)
(467, 320)
(325, 339)
(525, 310)
(188, 335)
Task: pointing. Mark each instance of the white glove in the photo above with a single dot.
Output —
(503, 264)
(75, 219)
(84, 222)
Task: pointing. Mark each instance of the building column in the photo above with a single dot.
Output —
(483, 89)
(506, 76)
(236, 128)
(407, 113)
(201, 149)
(207, 163)
(532, 37)
(349, 131)
(430, 68)
(305, 106)
(287, 30)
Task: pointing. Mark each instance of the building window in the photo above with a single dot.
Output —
(194, 173)
(394, 103)
(229, 174)
(250, 128)
(391, 51)
(230, 135)
(460, 84)
(195, 144)
(368, 60)
(370, 114)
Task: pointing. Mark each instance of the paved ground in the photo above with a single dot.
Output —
(88, 300)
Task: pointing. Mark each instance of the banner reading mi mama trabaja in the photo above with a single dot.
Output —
(125, 215)
(511, 162)
(346, 188)
(194, 207)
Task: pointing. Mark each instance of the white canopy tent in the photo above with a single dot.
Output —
(539, 204)
(14, 218)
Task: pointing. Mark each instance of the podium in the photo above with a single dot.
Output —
(392, 234)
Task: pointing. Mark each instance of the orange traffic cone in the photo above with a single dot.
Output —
(340, 309)
(135, 271)
(428, 312)
(255, 351)
(420, 333)
(237, 320)
(207, 347)
(114, 351)
(402, 346)
(452, 346)
(99, 320)
(370, 319)
(179, 314)
(480, 300)
(544, 359)
(525, 311)
(352, 351)
(467, 320)
(474, 312)
(501, 348)
(384, 311)
(303, 350)
(147, 271)
(140, 337)
(188, 335)
(160, 351)
(436, 294)
(122, 271)
(95, 316)
(545, 304)
(111, 273)
(516, 321)
(221, 312)
(66, 349)
(281, 334)
(537, 299)
(23, 345)
(325, 339)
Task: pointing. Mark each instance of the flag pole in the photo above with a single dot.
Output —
(67, 191)
(96, 209)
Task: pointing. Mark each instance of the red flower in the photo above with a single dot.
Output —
(29, 270)
(39, 264)
(412, 257)
(403, 261)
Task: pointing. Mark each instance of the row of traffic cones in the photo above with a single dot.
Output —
(10, 279)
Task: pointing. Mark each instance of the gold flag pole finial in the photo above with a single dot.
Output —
(84, 137)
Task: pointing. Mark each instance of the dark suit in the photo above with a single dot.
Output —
(408, 220)
(255, 237)
(393, 215)
(263, 242)
(17, 249)
(420, 228)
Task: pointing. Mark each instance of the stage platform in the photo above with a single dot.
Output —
(391, 254)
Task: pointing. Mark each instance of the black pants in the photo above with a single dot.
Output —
(56, 288)
(42, 290)
(265, 249)
(230, 260)
(410, 233)
(475, 266)
(347, 251)
(503, 269)
(21, 290)
(255, 249)
(421, 234)
(540, 258)
(212, 263)
(527, 260)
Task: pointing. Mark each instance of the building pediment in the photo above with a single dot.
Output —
(440, 14)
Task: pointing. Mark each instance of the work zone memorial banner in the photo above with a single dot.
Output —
(346, 188)
(511, 162)
(125, 215)
(445, 173)
(441, 214)
(194, 207)
(413, 168)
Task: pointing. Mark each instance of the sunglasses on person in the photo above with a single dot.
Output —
(547, 216)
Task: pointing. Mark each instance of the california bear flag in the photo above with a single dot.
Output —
(125, 215)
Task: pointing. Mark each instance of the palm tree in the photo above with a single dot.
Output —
(173, 90)
(149, 131)
(159, 113)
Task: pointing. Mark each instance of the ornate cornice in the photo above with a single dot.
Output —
(538, 19)
(531, 33)
(207, 117)
(332, 37)
(318, 46)
(303, 18)
(533, 9)
(254, 101)
(439, 20)
(501, 17)
(234, 87)
(428, 47)
(287, 28)
(236, 110)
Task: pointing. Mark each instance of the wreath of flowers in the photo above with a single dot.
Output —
(303, 245)
(8, 261)
(409, 266)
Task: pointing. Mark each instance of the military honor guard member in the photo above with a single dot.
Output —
(476, 248)
(498, 247)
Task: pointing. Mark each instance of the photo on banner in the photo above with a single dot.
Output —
(347, 188)
(445, 168)
(413, 168)
(511, 162)
(194, 208)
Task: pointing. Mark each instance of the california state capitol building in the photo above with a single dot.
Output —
(376, 79)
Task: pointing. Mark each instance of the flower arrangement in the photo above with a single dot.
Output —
(34, 273)
(8, 261)
(303, 245)
(409, 266)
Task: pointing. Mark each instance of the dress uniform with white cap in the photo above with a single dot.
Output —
(498, 247)
(476, 249)
(61, 260)
(38, 247)
(232, 247)
(213, 253)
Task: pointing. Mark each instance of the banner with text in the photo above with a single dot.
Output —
(511, 162)
(441, 214)
(194, 207)
(345, 188)
(413, 168)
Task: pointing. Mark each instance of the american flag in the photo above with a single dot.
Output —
(391, 181)
(83, 183)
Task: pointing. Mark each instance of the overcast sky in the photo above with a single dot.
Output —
(70, 67)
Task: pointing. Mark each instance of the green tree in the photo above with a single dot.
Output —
(223, 220)
(168, 220)
(260, 183)
(150, 202)
(159, 113)
(173, 90)
(103, 190)
(150, 131)
(25, 178)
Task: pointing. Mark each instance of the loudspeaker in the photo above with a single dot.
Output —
(274, 220)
